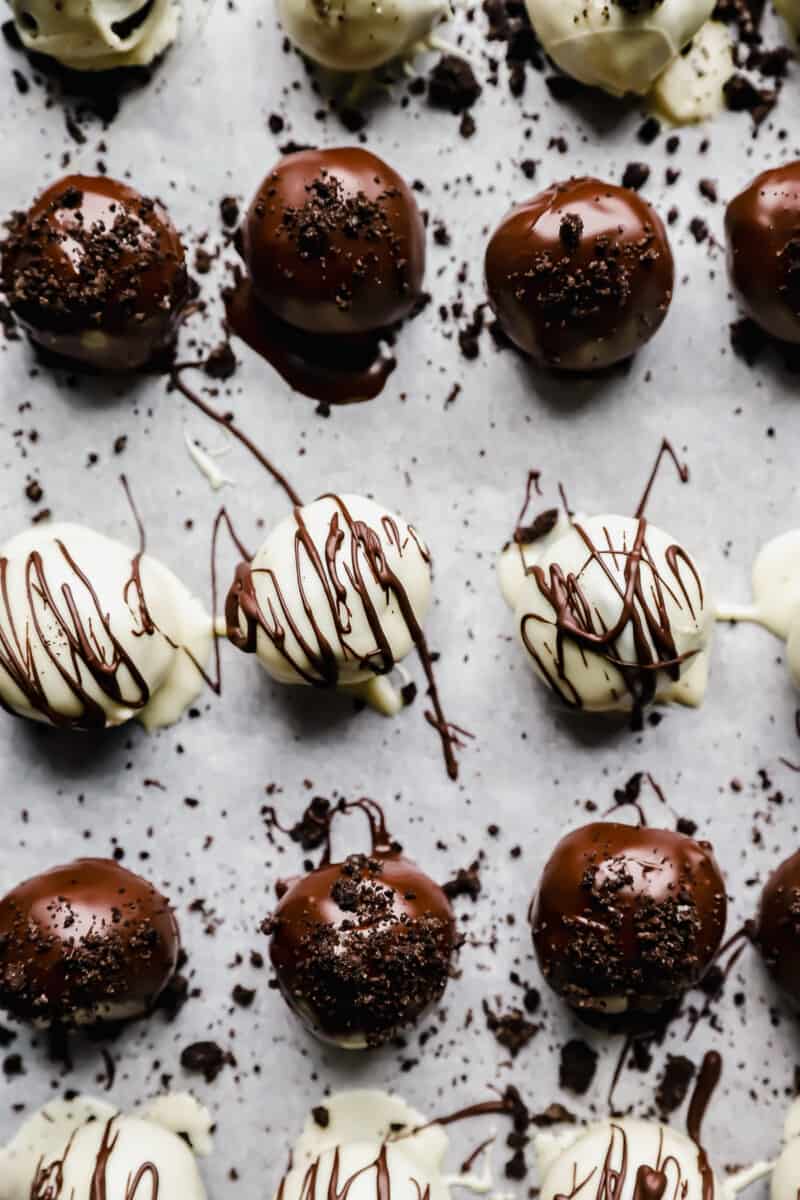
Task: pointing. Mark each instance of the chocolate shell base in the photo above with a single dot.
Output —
(95, 273)
(580, 276)
(85, 942)
(627, 918)
(762, 228)
(777, 931)
(362, 948)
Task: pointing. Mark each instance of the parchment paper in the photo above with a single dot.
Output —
(200, 131)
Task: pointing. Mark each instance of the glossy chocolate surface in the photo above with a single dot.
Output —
(581, 276)
(85, 941)
(362, 948)
(96, 273)
(762, 227)
(778, 926)
(334, 243)
(626, 912)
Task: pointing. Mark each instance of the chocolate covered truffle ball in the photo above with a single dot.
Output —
(361, 948)
(85, 942)
(96, 273)
(627, 918)
(777, 932)
(762, 226)
(581, 276)
(334, 242)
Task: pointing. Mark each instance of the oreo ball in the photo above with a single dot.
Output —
(777, 931)
(334, 243)
(627, 918)
(362, 948)
(762, 228)
(581, 276)
(85, 942)
(96, 273)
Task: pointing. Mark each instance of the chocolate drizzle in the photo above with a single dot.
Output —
(643, 612)
(337, 1191)
(707, 1080)
(643, 602)
(92, 644)
(48, 1182)
(662, 1180)
(339, 569)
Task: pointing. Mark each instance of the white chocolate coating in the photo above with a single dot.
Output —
(85, 35)
(601, 44)
(79, 644)
(575, 1163)
(593, 557)
(84, 1147)
(317, 601)
(691, 88)
(776, 596)
(360, 35)
(358, 1124)
(786, 1171)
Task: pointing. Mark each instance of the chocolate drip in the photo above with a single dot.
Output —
(48, 1182)
(667, 449)
(704, 1088)
(367, 560)
(193, 398)
(334, 369)
(643, 610)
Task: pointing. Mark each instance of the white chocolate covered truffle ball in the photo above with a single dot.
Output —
(612, 612)
(84, 1147)
(620, 46)
(360, 35)
(643, 1158)
(335, 596)
(97, 35)
(365, 1146)
(93, 633)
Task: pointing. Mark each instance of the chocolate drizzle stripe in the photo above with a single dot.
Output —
(193, 398)
(48, 1181)
(643, 611)
(364, 561)
(105, 660)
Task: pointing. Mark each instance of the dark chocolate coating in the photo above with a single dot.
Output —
(83, 936)
(361, 948)
(626, 911)
(96, 273)
(334, 242)
(777, 932)
(581, 276)
(762, 228)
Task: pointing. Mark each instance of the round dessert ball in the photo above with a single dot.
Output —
(359, 35)
(580, 276)
(627, 918)
(762, 226)
(314, 620)
(622, 46)
(93, 35)
(777, 932)
(334, 242)
(361, 948)
(85, 942)
(96, 272)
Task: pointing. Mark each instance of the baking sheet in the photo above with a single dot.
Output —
(198, 132)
